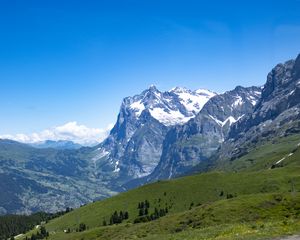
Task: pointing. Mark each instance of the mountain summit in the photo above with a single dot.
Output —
(134, 146)
(187, 145)
(176, 106)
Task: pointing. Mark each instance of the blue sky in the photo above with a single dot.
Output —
(63, 61)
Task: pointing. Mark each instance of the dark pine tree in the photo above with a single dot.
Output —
(43, 231)
(104, 223)
(121, 215)
(82, 227)
(156, 213)
(166, 210)
(141, 212)
(147, 204)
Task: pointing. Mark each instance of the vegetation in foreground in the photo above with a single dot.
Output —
(13, 225)
(258, 216)
(255, 203)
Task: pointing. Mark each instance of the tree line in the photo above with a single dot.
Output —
(144, 214)
(12, 225)
(41, 234)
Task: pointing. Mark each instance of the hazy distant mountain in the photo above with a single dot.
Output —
(61, 144)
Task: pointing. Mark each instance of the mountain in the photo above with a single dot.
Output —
(134, 146)
(277, 114)
(61, 144)
(187, 145)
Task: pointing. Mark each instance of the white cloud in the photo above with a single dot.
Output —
(70, 131)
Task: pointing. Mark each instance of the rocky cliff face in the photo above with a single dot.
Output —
(276, 114)
(134, 146)
(187, 145)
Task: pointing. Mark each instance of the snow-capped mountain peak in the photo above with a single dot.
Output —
(202, 91)
(152, 87)
(134, 146)
(178, 89)
(138, 107)
(193, 101)
(176, 106)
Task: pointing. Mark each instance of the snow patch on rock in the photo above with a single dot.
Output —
(176, 106)
(138, 107)
(170, 117)
(117, 169)
(193, 101)
(100, 153)
(230, 119)
(238, 101)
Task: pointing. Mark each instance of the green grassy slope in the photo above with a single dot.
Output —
(265, 155)
(248, 217)
(255, 204)
(178, 194)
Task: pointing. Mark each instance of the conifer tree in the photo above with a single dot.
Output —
(121, 215)
(147, 204)
(141, 212)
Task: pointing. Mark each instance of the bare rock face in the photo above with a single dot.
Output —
(134, 146)
(186, 146)
(276, 114)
